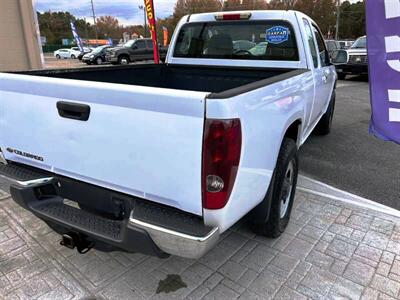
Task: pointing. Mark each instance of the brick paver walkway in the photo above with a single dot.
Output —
(329, 251)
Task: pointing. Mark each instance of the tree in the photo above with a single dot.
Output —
(108, 27)
(323, 14)
(352, 20)
(55, 26)
(282, 4)
(231, 5)
(185, 7)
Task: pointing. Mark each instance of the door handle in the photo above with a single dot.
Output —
(75, 111)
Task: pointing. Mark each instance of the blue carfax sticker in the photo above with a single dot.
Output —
(277, 35)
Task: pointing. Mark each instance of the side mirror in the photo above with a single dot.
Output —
(339, 57)
(134, 47)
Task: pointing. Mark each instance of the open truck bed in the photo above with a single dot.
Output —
(215, 80)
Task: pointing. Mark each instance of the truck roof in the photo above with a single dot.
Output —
(255, 15)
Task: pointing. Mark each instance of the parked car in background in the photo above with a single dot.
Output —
(97, 56)
(346, 44)
(332, 46)
(85, 51)
(353, 61)
(133, 50)
(164, 158)
(66, 53)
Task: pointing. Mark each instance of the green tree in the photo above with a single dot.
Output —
(55, 26)
(352, 20)
(108, 27)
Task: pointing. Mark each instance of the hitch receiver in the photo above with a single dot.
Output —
(78, 240)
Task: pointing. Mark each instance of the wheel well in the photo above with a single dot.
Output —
(123, 55)
(293, 131)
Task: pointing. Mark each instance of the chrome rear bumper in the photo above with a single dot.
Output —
(177, 243)
(148, 228)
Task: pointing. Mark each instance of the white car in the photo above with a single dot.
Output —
(164, 158)
(67, 53)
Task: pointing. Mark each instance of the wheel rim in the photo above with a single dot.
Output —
(99, 61)
(287, 189)
(124, 61)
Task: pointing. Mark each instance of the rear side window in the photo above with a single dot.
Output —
(149, 44)
(254, 40)
(140, 45)
(311, 42)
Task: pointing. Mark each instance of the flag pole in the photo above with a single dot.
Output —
(151, 18)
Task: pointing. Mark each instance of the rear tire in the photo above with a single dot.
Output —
(324, 125)
(341, 76)
(284, 188)
(73, 56)
(58, 56)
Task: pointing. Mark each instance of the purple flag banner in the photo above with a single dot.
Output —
(383, 39)
(76, 37)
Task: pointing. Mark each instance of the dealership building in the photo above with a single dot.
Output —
(19, 36)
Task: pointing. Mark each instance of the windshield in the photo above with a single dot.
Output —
(99, 49)
(129, 43)
(258, 40)
(361, 43)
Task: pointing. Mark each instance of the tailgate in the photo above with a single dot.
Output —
(142, 141)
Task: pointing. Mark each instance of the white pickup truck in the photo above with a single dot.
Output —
(162, 159)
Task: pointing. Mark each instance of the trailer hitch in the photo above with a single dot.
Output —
(78, 240)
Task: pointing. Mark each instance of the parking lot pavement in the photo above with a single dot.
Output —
(350, 158)
(330, 250)
(50, 62)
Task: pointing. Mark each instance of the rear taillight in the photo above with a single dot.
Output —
(221, 155)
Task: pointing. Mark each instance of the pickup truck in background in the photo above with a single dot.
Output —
(353, 61)
(134, 50)
(162, 159)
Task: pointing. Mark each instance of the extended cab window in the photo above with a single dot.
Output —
(311, 42)
(258, 40)
(323, 53)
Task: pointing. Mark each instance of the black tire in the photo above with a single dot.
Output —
(123, 60)
(325, 124)
(283, 191)
(341, 76)
(73, 56)
(58, 56)
(99, 61)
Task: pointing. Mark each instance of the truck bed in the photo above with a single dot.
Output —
(214, 80)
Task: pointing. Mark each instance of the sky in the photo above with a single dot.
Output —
(126, 11)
